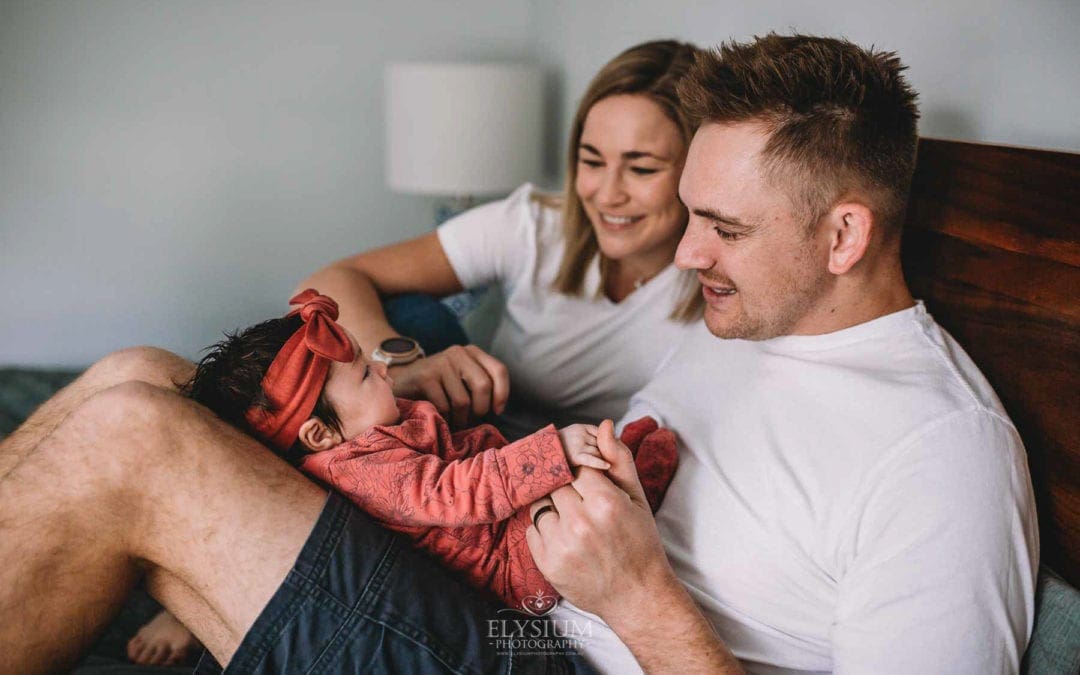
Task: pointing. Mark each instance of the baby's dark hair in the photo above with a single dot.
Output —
(228, 380)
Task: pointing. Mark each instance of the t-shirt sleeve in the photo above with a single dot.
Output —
(492, 242)
(942, 568)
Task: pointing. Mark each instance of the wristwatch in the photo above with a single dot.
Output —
(397, 351)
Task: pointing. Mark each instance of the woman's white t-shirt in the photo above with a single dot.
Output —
(571, 358)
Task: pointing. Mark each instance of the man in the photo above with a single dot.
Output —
(851, 495)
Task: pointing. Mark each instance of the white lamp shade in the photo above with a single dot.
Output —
(462, 128)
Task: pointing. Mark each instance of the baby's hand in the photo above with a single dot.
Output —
(579, 442)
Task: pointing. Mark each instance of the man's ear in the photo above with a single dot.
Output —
(317, 436)
(850, 225)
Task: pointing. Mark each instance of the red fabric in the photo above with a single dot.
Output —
(296, 377)
(656, 457)
(462, 496)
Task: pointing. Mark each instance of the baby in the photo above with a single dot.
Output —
(301, 385)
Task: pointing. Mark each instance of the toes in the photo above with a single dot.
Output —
(163, 641)
(153, 655)
(138, 653)
(134, 646)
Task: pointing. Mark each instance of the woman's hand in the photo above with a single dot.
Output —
(459, 381)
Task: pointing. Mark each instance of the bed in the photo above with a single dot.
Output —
(992, 244)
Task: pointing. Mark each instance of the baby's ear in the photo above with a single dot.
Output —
(317, 436)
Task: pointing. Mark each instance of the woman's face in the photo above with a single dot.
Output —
(629, 159)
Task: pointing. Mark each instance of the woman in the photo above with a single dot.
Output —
(593, 300)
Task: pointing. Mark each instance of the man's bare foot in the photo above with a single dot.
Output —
(162, 642)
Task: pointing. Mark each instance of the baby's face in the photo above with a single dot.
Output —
(361, 393)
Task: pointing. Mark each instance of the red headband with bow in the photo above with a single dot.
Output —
(296, 377)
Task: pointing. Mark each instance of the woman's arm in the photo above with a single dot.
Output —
(459, 381)
(358, 282)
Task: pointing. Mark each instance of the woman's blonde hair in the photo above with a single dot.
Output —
(651, 69)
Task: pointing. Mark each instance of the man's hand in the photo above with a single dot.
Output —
(600, 549)
(579, 444)
(459, 381)
(601, 545)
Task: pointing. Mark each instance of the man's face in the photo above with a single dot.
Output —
(764, 271)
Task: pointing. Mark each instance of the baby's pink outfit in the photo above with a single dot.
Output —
(461, 496)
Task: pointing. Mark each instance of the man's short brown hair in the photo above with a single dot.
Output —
(841, 119)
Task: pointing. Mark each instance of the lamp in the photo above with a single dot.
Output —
(462, 129)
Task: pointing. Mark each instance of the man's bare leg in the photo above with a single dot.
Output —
(139, 480)
(145, 364)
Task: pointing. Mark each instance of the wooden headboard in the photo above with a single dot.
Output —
(992, 244)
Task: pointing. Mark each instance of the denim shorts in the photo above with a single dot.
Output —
(361, 599)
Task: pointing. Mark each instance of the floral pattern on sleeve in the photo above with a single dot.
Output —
(418, 473)
(459, 496)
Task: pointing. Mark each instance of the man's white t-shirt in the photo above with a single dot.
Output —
(571, 358)
(852, 502)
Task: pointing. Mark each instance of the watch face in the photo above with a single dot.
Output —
(398, 345)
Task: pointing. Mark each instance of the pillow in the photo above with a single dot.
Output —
(1055, 640)
(24, 389)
